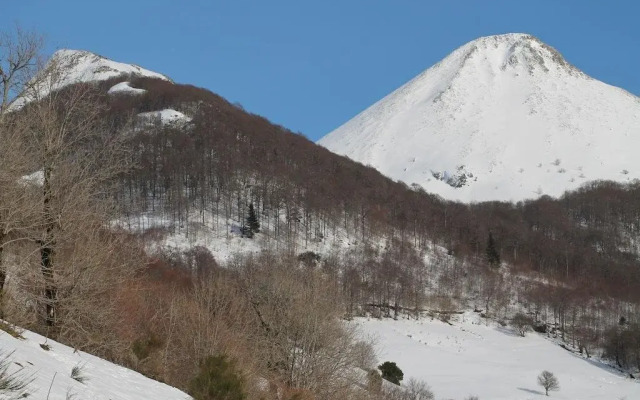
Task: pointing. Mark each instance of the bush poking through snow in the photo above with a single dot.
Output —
(13, 385)
(78, 374)
(414, 390)
(10, 329)
(418, 390)
(391, 372)
(548, 381)
(217, 380)
(522, 323)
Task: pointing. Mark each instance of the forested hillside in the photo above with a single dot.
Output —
(573, 259)
(226, 159)
(411, 246)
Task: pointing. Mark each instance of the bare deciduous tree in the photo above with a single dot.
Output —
(58, 177)
(548, 381)
(19, 59)
(79, 158)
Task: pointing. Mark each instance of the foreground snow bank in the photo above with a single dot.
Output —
(52, 369)
(491, 362)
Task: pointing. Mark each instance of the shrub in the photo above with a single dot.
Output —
(418, 390)
(522, 323)
(309, 258)
(391, 372)
(414, 390)
(142, 348)
(77, 374)
(374, 381)
(13, 385)
(10, 329)
(217, 380)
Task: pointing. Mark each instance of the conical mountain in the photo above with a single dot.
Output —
(501, 118)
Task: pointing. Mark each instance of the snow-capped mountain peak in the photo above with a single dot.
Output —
(85, 66)
(519, 50)
(66, 67)
(503, 117)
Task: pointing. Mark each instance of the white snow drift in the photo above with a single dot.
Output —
(501, 118)
(125, 88)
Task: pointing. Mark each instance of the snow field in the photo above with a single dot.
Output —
(471, 357)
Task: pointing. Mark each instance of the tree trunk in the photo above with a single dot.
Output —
(47, 253)
(50, 291)
(3, 278)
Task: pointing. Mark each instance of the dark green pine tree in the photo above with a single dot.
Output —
(391, 372)
(252, 220)
(493, 257)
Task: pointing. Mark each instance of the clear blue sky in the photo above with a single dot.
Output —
(312, 65)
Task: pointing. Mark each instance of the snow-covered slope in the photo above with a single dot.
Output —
(51, 370)
(67, 67)
(501, 118)
(84, 66)
(125, 88)
(491, 362)
(165, 117)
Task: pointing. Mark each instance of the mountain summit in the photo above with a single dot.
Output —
(66, 67)
(503, 117)
(84, 66)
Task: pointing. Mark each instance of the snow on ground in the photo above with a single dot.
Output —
(470, 357)
(52, 368)
(166, 117)
(125, 88)
(36, 178)
(222, 238)
(501, 118)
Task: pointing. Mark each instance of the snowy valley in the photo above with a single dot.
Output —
(471, 356)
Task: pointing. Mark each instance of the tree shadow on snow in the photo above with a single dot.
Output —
(531, 391)
(507, 331)
(600, 364)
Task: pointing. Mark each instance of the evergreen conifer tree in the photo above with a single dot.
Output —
(252, 220)
(493, 257)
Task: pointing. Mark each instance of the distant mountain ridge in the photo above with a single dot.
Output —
(503, 117)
